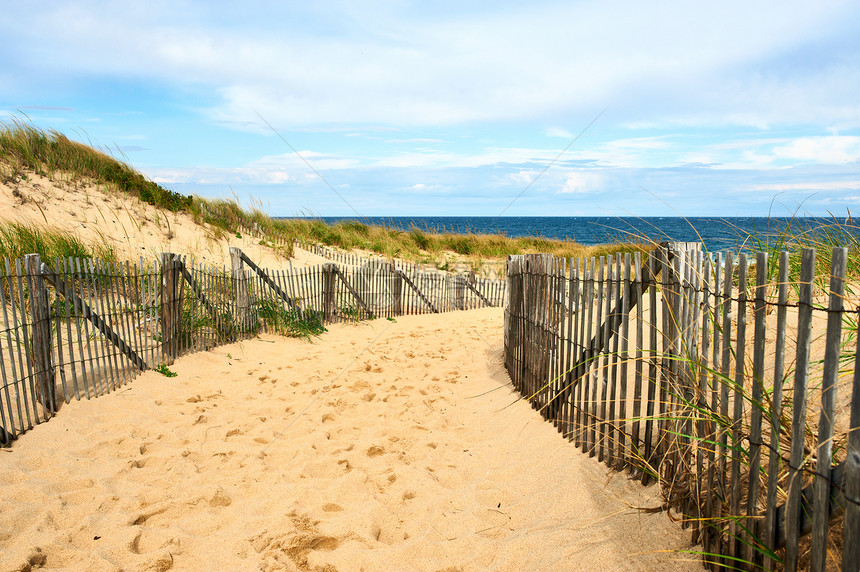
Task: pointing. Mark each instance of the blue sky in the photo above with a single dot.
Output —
(457, 108)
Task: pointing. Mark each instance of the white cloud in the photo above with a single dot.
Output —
(582, 183)
(276, 177)
(414, 140)
(559, 132)
(831, 149)
(425, 188)
(523, 178)
(390, 65)
(809, 186)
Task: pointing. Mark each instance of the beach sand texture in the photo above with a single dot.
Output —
(380, 446)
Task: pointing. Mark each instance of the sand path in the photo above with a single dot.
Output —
(380, 446)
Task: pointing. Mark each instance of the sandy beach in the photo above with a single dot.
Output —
(384, 445)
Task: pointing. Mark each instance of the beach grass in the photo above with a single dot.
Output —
(797, 234)
(18, 239)
(415, 244)
(50, 153)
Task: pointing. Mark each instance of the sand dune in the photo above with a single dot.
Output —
(133, 228)
(379, 446)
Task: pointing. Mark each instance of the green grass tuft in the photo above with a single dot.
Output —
(18, 239)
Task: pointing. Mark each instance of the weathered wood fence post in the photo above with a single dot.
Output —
(41, 349)
(397, 289)
(169, 307)
(240, 280)
(459, 292)
(328, 291)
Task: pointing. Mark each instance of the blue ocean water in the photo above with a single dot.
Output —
(716, 233)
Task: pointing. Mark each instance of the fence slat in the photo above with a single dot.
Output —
(635, 443)
(652, 407)
(114, 316)
(25, 357)
(703, 430)
(798, 418)
(72, 316)
(41, 342)
(711, 536)
(851, 534)
(84, 310)
(723, 384)
(738, 410)
(11, 429)
(830, 377)
(98, 300)
(573, 385)
(756, 405)
(774, 457)
(64, 314)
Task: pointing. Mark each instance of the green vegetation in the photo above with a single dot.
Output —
(165, 371)
(796, 235)
(415, 244)
(22, 146)
(291, 323)
(17, 239)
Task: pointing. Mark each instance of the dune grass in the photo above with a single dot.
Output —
(798, 234)
(17, 239)
(48, 153)
(418, 245)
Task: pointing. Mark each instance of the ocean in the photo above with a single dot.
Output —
(715, 233)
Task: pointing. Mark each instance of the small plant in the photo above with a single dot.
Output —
(390, 319)
(350, 313)
(292, 323)
(229, 356)
(165, 371)
(238, 234)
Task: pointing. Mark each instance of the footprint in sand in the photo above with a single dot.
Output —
(295, 545)
(36, 559)
(346, 466)
(375, 451)
(220, 498)
(138, 464)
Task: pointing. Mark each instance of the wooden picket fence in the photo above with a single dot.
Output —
(648, 367)
(349, 258)
(333, 253)
(78, 329)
